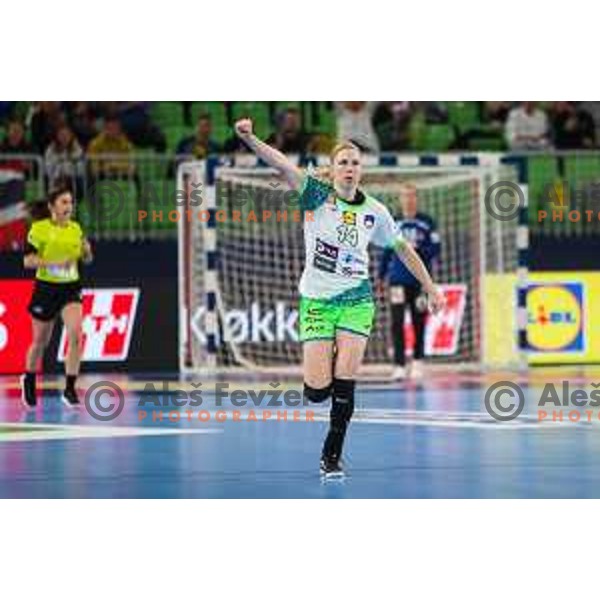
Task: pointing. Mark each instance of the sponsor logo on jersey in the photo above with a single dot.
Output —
(108, 320)
(369, 221)
(348, 258)
(324, 249)
(325, 264)
(349, 217)
(555, 315)
(351, 265)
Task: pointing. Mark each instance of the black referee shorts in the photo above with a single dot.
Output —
(48, 299)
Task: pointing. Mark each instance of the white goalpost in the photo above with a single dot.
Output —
(241, 254)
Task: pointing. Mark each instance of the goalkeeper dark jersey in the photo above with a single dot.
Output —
(421, 232)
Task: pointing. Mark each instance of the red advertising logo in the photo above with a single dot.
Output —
(15, 324)
(443, 329)
(108, 320)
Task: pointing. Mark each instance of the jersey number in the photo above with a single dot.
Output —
(348, 235)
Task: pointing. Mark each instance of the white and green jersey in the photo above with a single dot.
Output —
(336, 241)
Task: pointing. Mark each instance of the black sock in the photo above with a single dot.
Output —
(71, 382)
(30, 376)
(332, 448)
(342, 408)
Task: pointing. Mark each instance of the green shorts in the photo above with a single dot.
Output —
(321, 319)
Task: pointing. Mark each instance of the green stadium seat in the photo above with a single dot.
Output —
(166, 114)
(437, 138)
(463, 115)
(581, 167)
(222, 133)
(542, 171)
(285, 104)
(326, 123)
(259, 112)
(32, 192)
(155, 166)
(580, 171)
(487, 143)
(159, 194)
(175, 133)
(416, 131)
(216, 110)
(119, 224)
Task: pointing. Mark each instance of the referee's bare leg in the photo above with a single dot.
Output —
(42, 332)
(72, 317)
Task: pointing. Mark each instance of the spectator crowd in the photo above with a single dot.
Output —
(107, 132)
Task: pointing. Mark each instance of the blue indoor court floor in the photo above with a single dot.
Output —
(428, 440)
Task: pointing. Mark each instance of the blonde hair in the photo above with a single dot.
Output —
(325, 172)
(340, 146)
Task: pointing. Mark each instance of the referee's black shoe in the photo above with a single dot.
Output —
(28, 391)
(70, 398)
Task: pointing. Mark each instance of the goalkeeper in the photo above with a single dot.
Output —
(336, 302)
(420, 231)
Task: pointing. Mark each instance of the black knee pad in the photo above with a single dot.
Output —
(342, 406)
(317, 394)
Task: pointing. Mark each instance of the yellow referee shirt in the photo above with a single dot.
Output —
(56, 243)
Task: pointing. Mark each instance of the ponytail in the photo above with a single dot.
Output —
(39, 210)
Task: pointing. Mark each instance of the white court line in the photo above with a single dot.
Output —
(402, 417)
(65, 432)
(481, 420)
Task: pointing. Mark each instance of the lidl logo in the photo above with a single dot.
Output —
(556, 317)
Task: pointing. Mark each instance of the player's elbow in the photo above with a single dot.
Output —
(292, 175)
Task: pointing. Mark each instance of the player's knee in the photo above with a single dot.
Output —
(317, 394)
(37, 348)
(40, 341)
(342, 407)
(74, 336)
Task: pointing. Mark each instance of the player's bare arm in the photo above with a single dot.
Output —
(270, 155)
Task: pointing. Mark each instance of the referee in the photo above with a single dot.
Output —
(55, 245)
(419, 230)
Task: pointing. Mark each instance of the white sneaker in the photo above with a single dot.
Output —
(399, 373)
(416, 369)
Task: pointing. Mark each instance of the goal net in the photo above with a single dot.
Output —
(242, 255)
